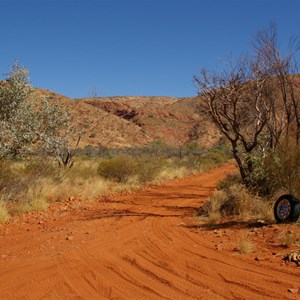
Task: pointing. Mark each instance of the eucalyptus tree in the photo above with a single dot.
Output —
(31, 126)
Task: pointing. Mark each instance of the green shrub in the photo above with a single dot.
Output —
(191, 162)
(159, 148)
(145, 167)
(149, 167)
(217, 156)
(282, 169)
(119, 168)
(229, 180)
(277, 171)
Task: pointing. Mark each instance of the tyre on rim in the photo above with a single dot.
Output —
(286, 209)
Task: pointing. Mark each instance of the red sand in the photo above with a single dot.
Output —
(140, 246)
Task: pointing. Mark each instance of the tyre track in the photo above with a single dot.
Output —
(137, 247)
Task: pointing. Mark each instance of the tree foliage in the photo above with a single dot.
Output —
(30, 126)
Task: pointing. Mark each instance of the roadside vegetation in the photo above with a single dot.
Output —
(254, 102)
(34, 183)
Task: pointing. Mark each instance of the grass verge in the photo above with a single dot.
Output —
(34, 183)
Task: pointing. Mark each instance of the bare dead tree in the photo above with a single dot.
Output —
(238, 102)
(253, 100)
(283, 69)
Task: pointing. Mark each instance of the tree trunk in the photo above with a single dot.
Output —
(239, 163)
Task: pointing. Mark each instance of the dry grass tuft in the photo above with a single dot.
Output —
(236, 201)
(88, 189)
(245, 245)
(36, 197)
(4, 214)
(213, 217)
(212, 207)
(288, 238)
(36, 203)
(85, 189)
(172, 173)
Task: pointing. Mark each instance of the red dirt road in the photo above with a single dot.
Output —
(138, 246)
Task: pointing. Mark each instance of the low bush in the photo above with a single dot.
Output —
(149, 168)
(237, 201)
(208, 159)
(217, 156)
(119, 168)
(282, 169)
(230, 179)
(276, 171)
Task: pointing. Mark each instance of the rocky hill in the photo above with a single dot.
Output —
(136, 120)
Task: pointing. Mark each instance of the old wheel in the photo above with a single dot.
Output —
(287, 209)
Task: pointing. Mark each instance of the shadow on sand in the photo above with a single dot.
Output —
(231, 224)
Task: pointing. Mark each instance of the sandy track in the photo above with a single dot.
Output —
(140, 246)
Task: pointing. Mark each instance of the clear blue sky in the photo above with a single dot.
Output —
(131, 47)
